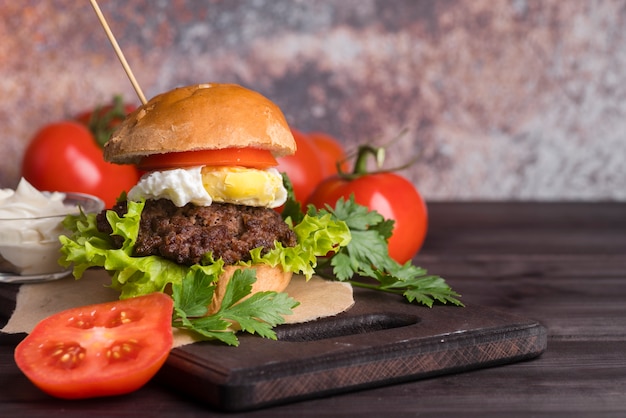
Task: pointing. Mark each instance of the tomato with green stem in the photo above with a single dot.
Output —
(102, 120)
(388, 193)
(99, 350)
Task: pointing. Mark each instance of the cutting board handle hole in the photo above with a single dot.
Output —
(342, 326)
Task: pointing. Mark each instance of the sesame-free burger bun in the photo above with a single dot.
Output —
(201, 117)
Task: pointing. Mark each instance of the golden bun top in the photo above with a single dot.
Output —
(201, 117)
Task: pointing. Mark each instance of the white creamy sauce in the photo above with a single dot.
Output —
(29, 229)
(28, 202)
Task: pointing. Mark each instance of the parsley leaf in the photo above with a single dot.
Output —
(256, 314)
(367, 256)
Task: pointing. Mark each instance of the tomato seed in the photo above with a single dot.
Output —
(124, 317)
(125, 351)
(65, 356)
(82, 321)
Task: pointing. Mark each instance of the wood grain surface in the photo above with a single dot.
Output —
(380, 341)
(560, 264)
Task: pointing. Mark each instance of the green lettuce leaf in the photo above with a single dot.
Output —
(85, 247)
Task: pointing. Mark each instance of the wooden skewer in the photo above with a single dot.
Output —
(118, 51)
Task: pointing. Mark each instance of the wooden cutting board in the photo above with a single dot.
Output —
(382, 340)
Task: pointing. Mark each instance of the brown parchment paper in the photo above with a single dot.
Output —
(318, 298)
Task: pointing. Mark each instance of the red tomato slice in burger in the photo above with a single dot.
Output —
(243, 157)
(99, 350)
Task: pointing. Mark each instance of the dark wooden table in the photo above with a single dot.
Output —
(562, 264)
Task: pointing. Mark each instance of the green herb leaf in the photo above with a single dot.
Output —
(194, 294)
(367, 256)
(260, 312)
(257, 314)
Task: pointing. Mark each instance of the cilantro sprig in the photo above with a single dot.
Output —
(367, 256)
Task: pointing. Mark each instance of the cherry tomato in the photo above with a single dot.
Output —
(99, 350)
(64, 157)
(245, 157)
(331, 151)
(391, 195)
(304, 168)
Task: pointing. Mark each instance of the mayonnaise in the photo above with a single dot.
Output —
(28, 202)
(30, 225)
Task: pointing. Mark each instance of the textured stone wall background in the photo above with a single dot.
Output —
(504, 99)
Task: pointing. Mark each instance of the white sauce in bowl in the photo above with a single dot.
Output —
(30, 225)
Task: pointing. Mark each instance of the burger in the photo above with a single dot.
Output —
(206, 206)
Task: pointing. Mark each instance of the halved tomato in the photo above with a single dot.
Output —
(244, 157)
(99, 350)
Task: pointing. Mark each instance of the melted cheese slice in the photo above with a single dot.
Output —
(205, 185)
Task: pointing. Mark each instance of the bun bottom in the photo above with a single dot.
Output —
(267, 279)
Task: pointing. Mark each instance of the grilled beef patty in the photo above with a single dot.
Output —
(185, 234)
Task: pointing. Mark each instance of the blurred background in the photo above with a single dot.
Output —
(503, 99)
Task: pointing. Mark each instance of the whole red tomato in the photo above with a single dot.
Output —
(64, 157)
(304, 168)
(331, 151)
(391, 195)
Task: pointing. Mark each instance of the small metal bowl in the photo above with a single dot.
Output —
(30, 247)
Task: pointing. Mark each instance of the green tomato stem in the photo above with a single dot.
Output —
(363, 155)
(99, 122)
(366, 151)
